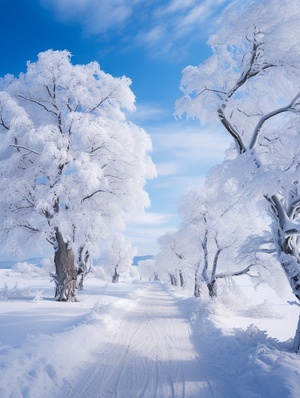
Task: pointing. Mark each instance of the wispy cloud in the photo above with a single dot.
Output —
(166, 169)
(159, 25)
(145, 229)
(188, 145)
(149, 218)
(176, 19)
(96, 16)
(148, 113)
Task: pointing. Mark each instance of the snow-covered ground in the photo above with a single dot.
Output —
(138, 339)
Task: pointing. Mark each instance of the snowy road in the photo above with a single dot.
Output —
(138, 339)
(151, 355)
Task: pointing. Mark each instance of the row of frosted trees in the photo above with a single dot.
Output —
(71, 165)
(245, 219)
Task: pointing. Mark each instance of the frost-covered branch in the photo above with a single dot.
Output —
(250, 72)
(3, 123)
(38, 103)
(244, 271)
(95, 193)
(29, 227)
(231, 130)
(25, 148)
(287, 108)
(101, 102)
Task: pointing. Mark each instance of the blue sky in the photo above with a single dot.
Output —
(150, 42)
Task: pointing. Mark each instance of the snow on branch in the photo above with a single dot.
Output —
(25, 148)
(287, 108)
(98, 191)
(38, 103)
(234, 273)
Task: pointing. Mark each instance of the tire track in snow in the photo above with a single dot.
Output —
(151, 356)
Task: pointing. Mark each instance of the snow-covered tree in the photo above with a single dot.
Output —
(171, 258)
(71, 164)
(250, 86)
(148, 270)
(118, 256)
(206, 245)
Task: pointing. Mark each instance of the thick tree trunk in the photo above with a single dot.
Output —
(287, 243)
(291, 269)
(66, 272)
(288, 254)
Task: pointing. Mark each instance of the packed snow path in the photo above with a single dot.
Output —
(151, 355)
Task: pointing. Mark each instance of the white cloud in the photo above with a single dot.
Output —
(166, 168)
(147, 113)
(150, 219)
(188, 145)
(96, 16)
(144, 232)
(159, 25)
(176, 21)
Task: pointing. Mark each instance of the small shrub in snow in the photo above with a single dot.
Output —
(262, 310)
(3, 293)
(25, 268)
(38, 296)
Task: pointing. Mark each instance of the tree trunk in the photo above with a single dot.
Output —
(286, 241)
(197, 289)
(173, 279)
(290, 265)
(212, 289)
(181, 278)
(297, 339)
(115, 278)
(66, 272)
(197, 284)
(84, 266)
(289, 260)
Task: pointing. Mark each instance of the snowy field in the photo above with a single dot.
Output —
(138, 339)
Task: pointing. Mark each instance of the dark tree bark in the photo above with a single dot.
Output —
(115, 277)
(287, 242)
(181, 278)
(84, 266)
(66, 272)
(173, 279)
(212, 289)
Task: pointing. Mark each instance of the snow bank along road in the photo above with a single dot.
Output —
(132, 340)
(150, 355)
